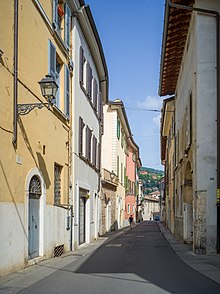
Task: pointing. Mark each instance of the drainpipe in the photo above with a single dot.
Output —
(14, 140)
(216, 14)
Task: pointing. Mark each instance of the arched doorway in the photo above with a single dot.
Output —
(35, 193)
(188, 205)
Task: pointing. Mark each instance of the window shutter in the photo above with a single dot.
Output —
(55, 13)
(95, 91)
(67, 26)
(52, 59)
(87, 142)
(94, 150)
(118, 128)
(88, 80)
(99, 104)
(67, 91)
(81, 125)
(81, 64)
(99, 157)
(87, 77)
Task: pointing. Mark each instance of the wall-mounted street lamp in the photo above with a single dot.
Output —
(112, 175)
(48, 89)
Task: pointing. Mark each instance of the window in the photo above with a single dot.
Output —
(118, 166)
(95, 93)
(81, 127)
(118, 128)
(88, 143)
(62, 20)
(94, 150)
(89, 80)
(81, 65)
(189, 123)
(57, 183)
(60, 73)
(129, 208)
(99, 157)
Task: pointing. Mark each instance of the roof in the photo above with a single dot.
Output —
(176, 25)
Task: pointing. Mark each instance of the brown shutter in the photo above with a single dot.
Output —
(100, 106)
(81, 125)
(81, 64)
(95, 90)
(94, 150)
(88, 79)
(99, 157)
(87, 142)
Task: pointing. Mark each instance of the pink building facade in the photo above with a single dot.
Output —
(131, 179)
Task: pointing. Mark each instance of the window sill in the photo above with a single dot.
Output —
(89, 163)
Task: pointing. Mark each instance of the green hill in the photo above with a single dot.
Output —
(150, 178)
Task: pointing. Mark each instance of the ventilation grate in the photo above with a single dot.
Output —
(58, 250)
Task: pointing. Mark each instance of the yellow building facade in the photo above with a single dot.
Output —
(35, 165)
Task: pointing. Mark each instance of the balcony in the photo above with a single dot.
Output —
(109, 178)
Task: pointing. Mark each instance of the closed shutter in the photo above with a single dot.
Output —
(94, 150)
(52, 59)
(89, 80)
(88, 143)
(67, 91)
(95, 89)
(118, 128)
(99, 104)
(81, 64)
(55, 13)
(67, 26)
(99, 157)
(81, 125)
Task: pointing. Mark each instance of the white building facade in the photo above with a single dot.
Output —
(90, 91)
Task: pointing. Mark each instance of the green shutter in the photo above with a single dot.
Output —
(118, 128)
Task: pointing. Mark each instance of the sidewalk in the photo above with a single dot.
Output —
(30, 275)
(208, 265)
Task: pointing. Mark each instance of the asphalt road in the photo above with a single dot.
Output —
(138, 261)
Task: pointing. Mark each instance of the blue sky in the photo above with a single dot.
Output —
(131, 36)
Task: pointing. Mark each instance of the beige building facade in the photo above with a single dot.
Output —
(192, 78)
(35, 203)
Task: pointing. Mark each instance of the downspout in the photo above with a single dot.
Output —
(14, 140)
(216, 14)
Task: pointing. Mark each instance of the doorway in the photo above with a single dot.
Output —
(188, 206)
(35, 193)
(82, 216)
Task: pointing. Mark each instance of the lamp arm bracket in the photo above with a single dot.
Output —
(23, 109)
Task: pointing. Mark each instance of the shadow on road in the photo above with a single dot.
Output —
(143, 255)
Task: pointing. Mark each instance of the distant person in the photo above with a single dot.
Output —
(130, 219)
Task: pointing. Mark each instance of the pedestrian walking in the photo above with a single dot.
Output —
(130, 219)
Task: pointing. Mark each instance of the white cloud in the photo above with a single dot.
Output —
(156, 119)
(151, 103)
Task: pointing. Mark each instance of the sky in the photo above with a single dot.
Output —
(131, 36)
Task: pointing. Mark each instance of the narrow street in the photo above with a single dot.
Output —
(139, 261)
